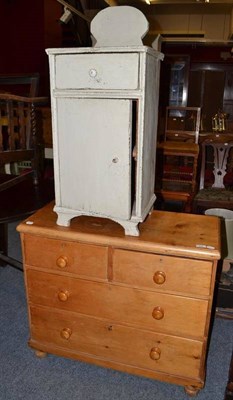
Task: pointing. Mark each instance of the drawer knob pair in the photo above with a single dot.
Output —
(155, 353)
(159, 277)
(63, 295)
(62, 261)
(66, 333)
(158, 313)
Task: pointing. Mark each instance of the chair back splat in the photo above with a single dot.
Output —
(216, 176)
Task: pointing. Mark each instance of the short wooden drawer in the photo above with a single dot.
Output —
(192, 277)
(155, 311)
(116, 343)
(77, 258)
(97, 71)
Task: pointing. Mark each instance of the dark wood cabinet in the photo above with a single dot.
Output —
(194, 77)
(206, 88)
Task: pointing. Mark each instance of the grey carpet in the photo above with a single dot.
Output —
(24, 376)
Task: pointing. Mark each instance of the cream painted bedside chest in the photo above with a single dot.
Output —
(104, 114)
(136, 304)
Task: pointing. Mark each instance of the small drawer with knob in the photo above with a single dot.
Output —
(107, 340)
(163, 273)
(65, 256)
(97, 71)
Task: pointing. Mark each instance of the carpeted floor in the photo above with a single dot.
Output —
(24, 376)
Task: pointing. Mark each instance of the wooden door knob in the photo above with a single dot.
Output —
(63, 295)
(159, 277)
(158, 313)
(66, 333)
(62, 262)
(155, 353)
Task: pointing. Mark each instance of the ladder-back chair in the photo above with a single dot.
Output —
(177, 157)
(22, 187)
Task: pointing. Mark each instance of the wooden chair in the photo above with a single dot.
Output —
(182, 124)
(216, 176)
(20, 84)
(177, 158)
(22, 187)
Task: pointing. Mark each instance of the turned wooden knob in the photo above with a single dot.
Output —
(158, 313)
(155, 353)
(62, 261)
(63, 295)
(66, 333)
(159, 277)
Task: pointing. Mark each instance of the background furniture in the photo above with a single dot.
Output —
(120, 302)
(178, 157)
(27, 85)
(105, 98)
(19, 140)
(20, 84)
(22, 186)
(216, 177)
(182, 124)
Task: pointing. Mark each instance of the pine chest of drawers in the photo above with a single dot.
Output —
(136, 304)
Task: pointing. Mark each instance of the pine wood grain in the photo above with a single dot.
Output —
(181, 275)
(115, 342)
(137, 304)
(79, 258)
(170, 233)
(182, 315)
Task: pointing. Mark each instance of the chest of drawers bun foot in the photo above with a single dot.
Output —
(192, 391)
(40, 353)
(140, 305)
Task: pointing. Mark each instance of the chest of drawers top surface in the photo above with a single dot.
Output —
(169, 233)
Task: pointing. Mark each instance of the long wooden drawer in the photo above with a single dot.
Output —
(97, 71)
(117, 343)
(155, 311)
(77, 258)
(162, 272)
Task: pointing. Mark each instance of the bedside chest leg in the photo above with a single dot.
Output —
(191, 390)
(40, 354)
(130, 227)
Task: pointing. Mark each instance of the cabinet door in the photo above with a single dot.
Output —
(94, 148)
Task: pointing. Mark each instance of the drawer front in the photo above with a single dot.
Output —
(110, 341)
(97, 71)
(150, 310)
(192, 277)
(58, 255)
